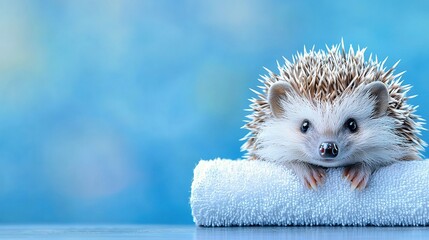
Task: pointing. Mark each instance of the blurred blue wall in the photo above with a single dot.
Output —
(107, 106)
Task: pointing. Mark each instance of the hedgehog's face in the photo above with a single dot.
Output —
(352, 128)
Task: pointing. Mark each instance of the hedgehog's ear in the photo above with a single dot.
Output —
(379, 91)
(276, 94)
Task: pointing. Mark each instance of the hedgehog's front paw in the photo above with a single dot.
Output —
(310, 175)
(358, 175)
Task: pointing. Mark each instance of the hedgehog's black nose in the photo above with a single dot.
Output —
(328, 150)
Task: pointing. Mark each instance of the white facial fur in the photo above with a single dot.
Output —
(374, 143)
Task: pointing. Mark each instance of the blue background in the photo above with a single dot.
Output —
(107, 106)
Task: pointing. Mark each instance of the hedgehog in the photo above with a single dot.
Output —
(332, 108)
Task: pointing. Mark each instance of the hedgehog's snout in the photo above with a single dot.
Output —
(328, 150)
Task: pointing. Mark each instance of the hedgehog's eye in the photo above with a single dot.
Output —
(351, 125)
(305, 125)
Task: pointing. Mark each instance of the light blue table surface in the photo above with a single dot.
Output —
(193, 232)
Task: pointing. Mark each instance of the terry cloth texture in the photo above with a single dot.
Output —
(244, 193)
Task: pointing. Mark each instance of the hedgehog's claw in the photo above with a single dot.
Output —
(358, 175)
(310, 175)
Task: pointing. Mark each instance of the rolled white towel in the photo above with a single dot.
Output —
(243, 193)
